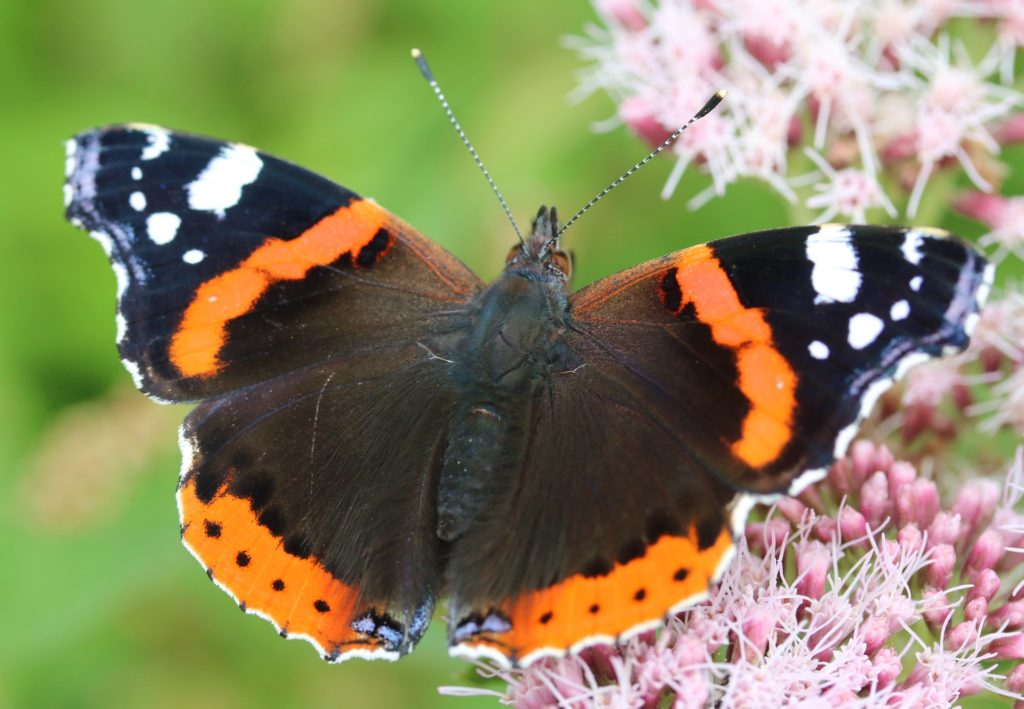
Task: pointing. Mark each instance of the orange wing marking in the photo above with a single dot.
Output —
(196, 344)
(583, 611)
(297, 595)
(766, 378)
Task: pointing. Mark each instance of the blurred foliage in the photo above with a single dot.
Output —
(101, 606)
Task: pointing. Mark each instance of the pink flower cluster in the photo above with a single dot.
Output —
(866, 591)
(845, 107)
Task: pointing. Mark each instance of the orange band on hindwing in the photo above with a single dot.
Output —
(250, 563)
(202, 333)
(582, 610)
(765, 377)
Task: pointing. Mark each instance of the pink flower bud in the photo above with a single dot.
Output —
(638, 115)
(863, 459)
(976, 609)
(940, 571)
(900, 148)
(1015, 680)
(944, 529)
(825, 529)
(1011, 648)
(767, 49)
(874, 632)
(910, 538)
(975, 503)
(987, 550)
(839, 475)
(935, 607)
(887, 666)
(812, 565)
(874, 500)
(1009, 615)
(792, 509)
(1011, 131)
(900, 473)
(926, 501)
(770, 534)
(852, 524)
(961, 635)
(986, 585)
(989, 209)
(757, 628)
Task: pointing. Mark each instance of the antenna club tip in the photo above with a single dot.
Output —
(720, 94)
(416, 53)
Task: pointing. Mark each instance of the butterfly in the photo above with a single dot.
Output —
(377, 428)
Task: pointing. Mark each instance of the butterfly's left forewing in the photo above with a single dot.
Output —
(740, 366)
(235, 266)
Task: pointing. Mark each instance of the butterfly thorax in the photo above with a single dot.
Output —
(512, 344)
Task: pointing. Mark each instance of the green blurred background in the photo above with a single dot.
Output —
(100, 604)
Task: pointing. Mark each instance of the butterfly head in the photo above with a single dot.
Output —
(540, 251)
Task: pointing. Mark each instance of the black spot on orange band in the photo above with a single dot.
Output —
(608, 605)
(245, 558)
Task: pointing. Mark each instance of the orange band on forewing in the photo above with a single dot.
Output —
(765, 376)
(299, 595)
(672, 571)
(202, 332)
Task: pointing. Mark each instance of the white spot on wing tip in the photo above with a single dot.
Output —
(137, 200)
(915, 283)
(162, 227)
(818, 349)
(835, 275)
(219, 186)
(193, 256)
(899, 310)
(864, 329)
(136, 173)
(69, 194)
(159, 140)
(911, 246)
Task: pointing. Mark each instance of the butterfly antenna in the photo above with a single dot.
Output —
(705, 110)
(421, 62)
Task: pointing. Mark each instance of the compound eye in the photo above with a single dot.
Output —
(562, 261)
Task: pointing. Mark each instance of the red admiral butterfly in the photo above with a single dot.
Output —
(377, 428)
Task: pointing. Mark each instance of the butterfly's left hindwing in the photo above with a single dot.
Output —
(310, 499)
